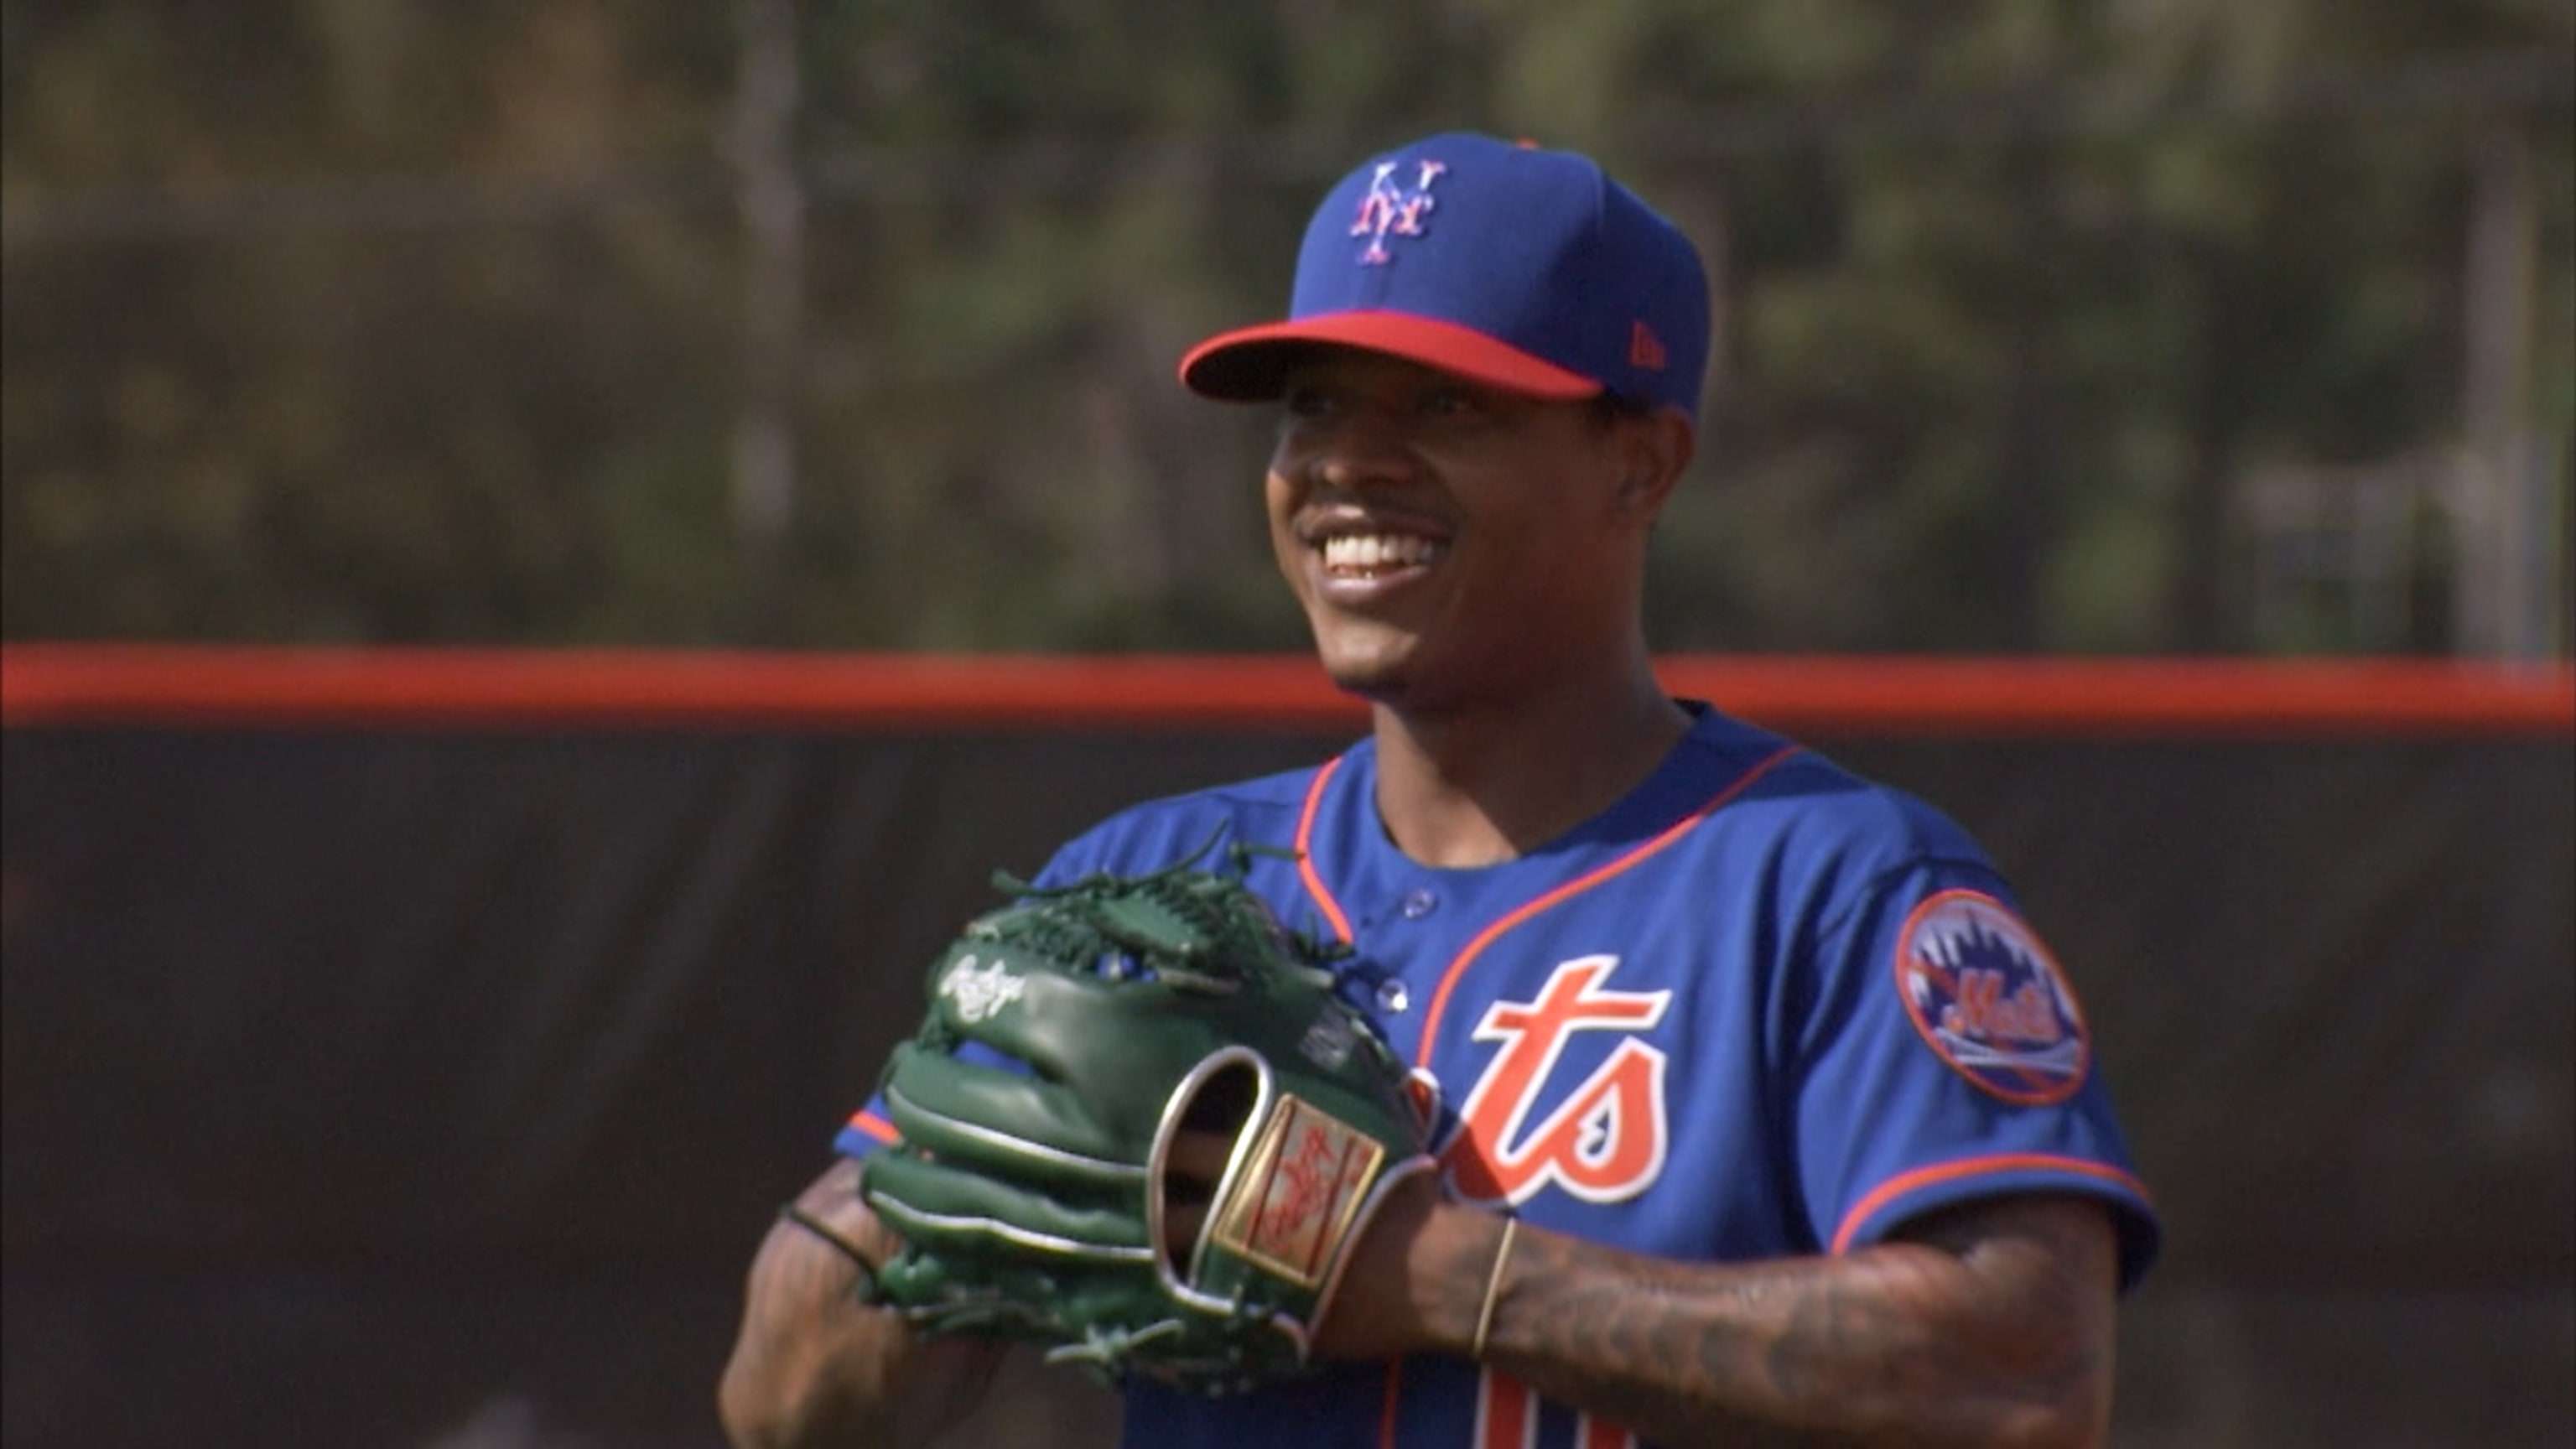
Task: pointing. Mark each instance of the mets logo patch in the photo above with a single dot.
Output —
(1988, 996)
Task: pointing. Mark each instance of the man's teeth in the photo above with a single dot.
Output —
(1378, 551)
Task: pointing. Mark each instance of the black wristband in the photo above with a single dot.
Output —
(867, 1284)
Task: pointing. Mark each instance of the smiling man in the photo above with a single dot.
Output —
(1761, 1116)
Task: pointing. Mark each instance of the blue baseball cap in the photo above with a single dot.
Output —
(1525, 269)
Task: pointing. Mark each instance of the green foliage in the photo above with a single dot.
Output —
(389, 320)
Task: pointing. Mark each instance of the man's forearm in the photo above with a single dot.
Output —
(1992, 1328)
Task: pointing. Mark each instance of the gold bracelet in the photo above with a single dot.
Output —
(1493, 1287)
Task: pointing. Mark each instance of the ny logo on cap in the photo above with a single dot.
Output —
(1391, 209)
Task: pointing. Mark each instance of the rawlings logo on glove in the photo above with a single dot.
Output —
(980, 992)
(1040, 1199)
(1293, 1210)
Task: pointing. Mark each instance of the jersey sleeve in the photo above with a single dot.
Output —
(1942, 1056)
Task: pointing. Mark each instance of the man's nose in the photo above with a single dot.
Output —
(1360, 449)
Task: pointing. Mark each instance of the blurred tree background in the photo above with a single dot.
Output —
(2155, 325)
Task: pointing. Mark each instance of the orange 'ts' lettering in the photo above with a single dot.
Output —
(1605, 1142)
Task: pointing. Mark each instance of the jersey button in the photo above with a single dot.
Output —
(1418, 904)
(1391, 996)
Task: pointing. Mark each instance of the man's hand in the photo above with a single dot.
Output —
(813, 1368)
(1074, 1038)
(1416, 1280)
(1189, 1185)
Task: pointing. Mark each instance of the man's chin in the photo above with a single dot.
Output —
(1378, 670)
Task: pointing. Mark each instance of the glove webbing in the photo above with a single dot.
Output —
(1223, 934)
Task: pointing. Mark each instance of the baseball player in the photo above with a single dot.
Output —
(1761, 1115)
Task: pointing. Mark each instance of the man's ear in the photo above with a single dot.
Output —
(1655, 451)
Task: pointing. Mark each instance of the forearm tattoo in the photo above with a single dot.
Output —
(1927, 1342)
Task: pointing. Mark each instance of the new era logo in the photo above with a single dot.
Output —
(1644, 348)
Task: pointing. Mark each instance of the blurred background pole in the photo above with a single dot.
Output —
(2504, 554)
(772, 206)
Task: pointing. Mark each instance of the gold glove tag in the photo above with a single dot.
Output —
(1294, 1203)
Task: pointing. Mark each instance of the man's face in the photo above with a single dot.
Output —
(1451, 545)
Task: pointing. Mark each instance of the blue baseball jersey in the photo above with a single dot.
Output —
(1760, 1007)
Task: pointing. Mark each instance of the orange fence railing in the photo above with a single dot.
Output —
(170, 685)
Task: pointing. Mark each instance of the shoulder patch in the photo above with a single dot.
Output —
(1990, 999)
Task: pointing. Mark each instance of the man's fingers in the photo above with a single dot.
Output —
(1191, 1168)
(1199, 1157)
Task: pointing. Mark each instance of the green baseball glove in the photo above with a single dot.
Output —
(1033, 1202)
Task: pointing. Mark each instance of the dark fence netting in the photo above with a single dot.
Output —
(432, 1088)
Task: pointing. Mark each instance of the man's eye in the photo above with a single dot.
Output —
(1307, 402)
(1450, 402)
